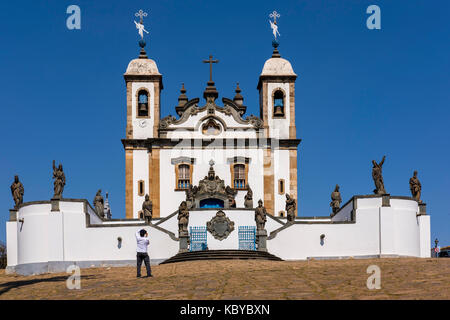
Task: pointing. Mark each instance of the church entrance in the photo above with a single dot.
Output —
(211, 203)
(247, 238)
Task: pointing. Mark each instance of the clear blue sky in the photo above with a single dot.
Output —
(360, 93)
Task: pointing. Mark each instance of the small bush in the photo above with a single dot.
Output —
(2, 256)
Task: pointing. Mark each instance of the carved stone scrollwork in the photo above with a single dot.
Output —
(220, 226)
(166, 121)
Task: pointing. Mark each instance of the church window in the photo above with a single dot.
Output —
(141, 188)
(183, 176)
(143, 110)
(278, 104)
(240, 181)
(281, 186)
(281, 213)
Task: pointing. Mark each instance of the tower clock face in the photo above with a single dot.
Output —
(142, 123)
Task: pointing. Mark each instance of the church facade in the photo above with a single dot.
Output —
(203, 172)
(165, 157)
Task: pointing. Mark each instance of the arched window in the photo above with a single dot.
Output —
(183, 176)
(278, 104)
(143, 110)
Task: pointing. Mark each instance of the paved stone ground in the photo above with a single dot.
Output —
(401, 278)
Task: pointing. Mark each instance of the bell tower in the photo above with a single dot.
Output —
(144, 84)
(277, 97)
(277, 109)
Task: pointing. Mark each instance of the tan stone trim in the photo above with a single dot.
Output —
(268, 180)
(129, 184)
(156, 108)
(137, 103)
(293, 175)
(292, 127)
(273, 103)
(129, 128)
(154, 173)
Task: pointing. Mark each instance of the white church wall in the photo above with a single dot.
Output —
(63, 236)
(302, 241)
(11, 243)
(279, 128)
(140, 131)
(425, 236)
(140, 172)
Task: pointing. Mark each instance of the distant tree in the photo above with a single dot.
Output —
(2, 255)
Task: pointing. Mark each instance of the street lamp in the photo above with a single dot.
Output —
(436, 243)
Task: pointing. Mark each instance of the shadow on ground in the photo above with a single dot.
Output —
(5, 287)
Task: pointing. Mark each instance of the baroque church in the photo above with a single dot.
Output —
(166, 157)
(211, 182)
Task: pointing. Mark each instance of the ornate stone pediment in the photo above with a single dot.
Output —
(210, 187)
(220, 226)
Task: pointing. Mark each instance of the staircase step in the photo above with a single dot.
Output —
(221, 255)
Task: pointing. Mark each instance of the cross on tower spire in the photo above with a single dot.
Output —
(210, 61)
(210, 93)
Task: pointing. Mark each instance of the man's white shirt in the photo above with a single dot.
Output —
(142, 243)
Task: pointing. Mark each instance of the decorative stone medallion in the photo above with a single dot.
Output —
(220, 226)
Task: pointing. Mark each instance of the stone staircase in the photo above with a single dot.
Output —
(221, 255)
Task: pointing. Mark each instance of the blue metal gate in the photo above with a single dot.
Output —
(247, 238)
(197, 238)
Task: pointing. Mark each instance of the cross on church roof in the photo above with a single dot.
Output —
(210, 61)
(274, 15)
(141, 14)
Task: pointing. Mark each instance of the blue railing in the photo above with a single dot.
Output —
(197, 239)
(247, 238)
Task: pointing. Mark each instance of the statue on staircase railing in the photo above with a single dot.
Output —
(260, 216)
(377, 175)
(336, 200)
(183, 218)
(60, 181)
(248, 198)
(290, 208)
(17, 191)
(415, 187)
(147, 209)
(99, 204)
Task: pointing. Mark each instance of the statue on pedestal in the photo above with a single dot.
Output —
(248, 202)
(99, 204)
(336, 200)
(60, 181)
(231, 193)
(190, 196)
(290, 208)
(17, 191)
(415, 187)
(147, 209)
(183, 218)
(260, 216)
(377, 176)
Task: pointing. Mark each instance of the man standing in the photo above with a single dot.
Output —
(142, 255)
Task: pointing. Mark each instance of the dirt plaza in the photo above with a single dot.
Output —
(401, 278)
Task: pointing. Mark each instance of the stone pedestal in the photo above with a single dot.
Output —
(55, 204)
(13, 214)
(386, 200)
(422, 209)
(184, 241)
(261, 237)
